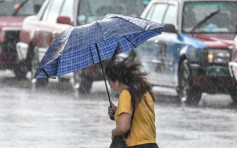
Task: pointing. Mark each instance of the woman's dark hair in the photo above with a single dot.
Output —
(127, 71)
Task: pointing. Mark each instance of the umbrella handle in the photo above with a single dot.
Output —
(111, 117)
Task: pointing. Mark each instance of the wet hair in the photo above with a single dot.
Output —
(127, 71)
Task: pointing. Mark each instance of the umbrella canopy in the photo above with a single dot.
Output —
(82, 46)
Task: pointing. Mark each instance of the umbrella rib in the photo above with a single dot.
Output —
(130, 42)
(45, 72)
(92, 56)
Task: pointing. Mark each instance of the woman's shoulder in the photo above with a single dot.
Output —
(124, 103)
(125, 92)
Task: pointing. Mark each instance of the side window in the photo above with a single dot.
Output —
(46, 12)
(52, 11)
(30, 8)
(84, 12)
(156, 12)
(171, 15)
(67, 9)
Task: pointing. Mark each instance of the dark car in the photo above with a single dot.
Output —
(192, 53)
(54, 17)
(12, 13)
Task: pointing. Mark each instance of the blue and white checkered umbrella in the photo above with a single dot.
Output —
(82, 46)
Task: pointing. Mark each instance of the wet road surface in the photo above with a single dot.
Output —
(57, 117)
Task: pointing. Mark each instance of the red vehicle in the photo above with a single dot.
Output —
(12, 14)
(54, 17)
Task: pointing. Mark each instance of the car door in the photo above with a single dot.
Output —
(168, 47)
(45, 28)
(163, 68)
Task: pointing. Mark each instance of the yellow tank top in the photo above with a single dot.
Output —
(143, 128)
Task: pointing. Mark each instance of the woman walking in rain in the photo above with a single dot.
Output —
(134, 114)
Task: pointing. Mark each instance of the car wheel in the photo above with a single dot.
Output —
(233, 95)
(233, 90)
(85, 84)
(76, 79)
(40, 82)
(20, 71)
(186, 91)
(64, 80)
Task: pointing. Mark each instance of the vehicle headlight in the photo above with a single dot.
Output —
(218, 56)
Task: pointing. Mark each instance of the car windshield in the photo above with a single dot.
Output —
(19, 7)
(92, 10)
(210, 17)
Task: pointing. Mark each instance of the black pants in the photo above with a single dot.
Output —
(148, 145)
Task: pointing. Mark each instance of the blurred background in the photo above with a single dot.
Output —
(191, 65)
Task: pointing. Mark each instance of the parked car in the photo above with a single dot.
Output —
(12, 13)
(54, 17)
(192, 53)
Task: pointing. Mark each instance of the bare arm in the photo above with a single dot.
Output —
(123, 125)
